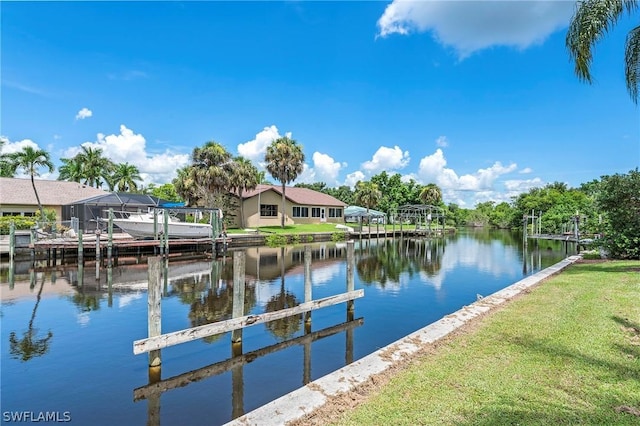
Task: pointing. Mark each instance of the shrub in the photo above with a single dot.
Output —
(21, 222)
(338, 236)
(276, 240)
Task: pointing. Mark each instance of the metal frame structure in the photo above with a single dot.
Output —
(420, 214)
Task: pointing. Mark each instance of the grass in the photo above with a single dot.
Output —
(293, 229)
(317, 227)
(568, 353)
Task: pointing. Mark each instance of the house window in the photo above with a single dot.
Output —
(315, 211)
(268, 210)
(301, 212)
(334, 212)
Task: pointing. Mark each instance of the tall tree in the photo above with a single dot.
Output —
(285, 161)
(125, 177)
(166, 191)
(591, 21)
(367, 194)
(6, 167)
(619, 200)
(31, 160)
(431, 194)
(244, 177)
(205, 181)
(71, 169)
(95, 166)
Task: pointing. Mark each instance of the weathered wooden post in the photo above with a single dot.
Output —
(307, 286)
(166, 232)
(350, 282)
(154, 298)
(80, 248)
(165, 276)
(98, 254)
(214, 233)
(12, 240)
(238, 292)
(110, 239)
(12, 251)
(32, 241)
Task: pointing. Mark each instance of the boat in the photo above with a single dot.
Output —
(141, 225)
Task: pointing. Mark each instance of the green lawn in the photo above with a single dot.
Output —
(317, 227)
(568, 353)
(293, 229)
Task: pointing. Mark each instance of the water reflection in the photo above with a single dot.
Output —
(384, 262)
(30, 346)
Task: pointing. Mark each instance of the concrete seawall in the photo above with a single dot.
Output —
(314, 395)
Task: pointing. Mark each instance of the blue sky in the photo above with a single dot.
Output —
(478, 97)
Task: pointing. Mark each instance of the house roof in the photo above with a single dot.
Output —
(302, 196)
(51, 192)
(122, 199)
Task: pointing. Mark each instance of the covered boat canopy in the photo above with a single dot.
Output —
(355, 213)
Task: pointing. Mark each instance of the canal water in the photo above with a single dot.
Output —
(67, 335)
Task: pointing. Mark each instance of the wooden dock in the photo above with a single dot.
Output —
(556, 237)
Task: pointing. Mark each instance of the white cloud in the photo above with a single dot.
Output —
(326, 168)
(387, 159)
(255, 149)
(433, 169)
(8, 147)
(129, 147)
(353, 178)
(442, 142)
(308, 175)
(470, 26)
(84, 113)
(517, 186)
(526, 170)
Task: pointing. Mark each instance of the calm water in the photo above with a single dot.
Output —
(67, 340)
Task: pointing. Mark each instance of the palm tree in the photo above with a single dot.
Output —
(285, 161)
(30, 160)
(71, 169)
(210, 171)
(431, 194)
(591, 21)
(95, 166)
(367, 194)
(125, 177)
(207, 177)
(184, 184)
(6, 168)
(244, 177)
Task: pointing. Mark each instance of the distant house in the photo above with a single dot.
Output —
(18, 199)
(263, 206)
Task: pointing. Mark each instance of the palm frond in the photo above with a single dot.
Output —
(632, 62)
(591, 21)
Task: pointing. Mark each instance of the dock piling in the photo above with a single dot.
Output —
(350, 267)
(238, 291)
(154, 306)
(307, 283)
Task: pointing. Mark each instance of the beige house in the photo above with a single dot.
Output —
(263, 207)
(18, 199)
